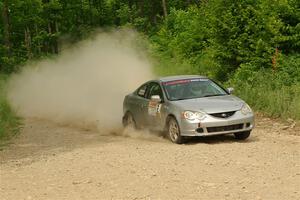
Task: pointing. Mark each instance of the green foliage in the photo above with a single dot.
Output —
(226, 34)
(266, 93)
(9, 123)
(253, 45)
(180, 43)
(181, 35)
(275, 92)
(32, 29)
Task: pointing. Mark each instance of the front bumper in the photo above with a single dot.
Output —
(218, 126)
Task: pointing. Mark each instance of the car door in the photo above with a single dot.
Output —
(139, 107)
(153, 115)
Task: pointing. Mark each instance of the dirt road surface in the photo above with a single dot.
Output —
(50, 161)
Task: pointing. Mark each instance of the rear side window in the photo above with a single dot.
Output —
(142, 91)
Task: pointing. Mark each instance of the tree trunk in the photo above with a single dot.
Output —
(27, 37)
(53, 42)
(49, 42)
(153, 13)
(142, 8)
(6, 23)
(164, 5)
(56, 38)
(38, 42)
(130, 3)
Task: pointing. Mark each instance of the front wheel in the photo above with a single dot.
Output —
(174, 131)
(128, 121)
(242, 135)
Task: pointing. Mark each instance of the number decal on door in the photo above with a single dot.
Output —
(154, 108)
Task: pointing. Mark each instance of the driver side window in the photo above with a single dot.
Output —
(155, 89)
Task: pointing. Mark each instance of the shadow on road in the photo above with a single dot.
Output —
(219, 139)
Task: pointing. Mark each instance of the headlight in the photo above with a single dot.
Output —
(191, 115)
(246, 109)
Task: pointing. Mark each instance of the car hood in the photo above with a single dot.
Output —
(216, 104)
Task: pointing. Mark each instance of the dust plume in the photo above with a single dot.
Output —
(85, 85)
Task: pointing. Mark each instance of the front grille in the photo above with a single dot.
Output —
(224, 128)
(223, 114)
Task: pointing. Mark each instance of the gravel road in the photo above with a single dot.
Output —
(51, 161)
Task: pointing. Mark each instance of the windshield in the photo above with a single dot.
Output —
(192, 88)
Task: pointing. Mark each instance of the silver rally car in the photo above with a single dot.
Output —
(184, 106)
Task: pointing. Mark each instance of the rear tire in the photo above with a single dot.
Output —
(173, 131)
(128, 121)
(242, 135)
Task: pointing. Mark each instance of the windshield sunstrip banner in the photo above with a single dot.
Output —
(183, 81)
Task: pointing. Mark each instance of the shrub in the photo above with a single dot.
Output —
(10, 123)
(275, 92)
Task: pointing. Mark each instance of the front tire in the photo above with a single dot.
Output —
(242, 135)
(173, 131)
(128, 121)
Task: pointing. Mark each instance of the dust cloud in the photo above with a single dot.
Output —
(85, 85)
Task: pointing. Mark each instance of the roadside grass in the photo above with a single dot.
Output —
(270, 96)
(283, 102)
(10, 123)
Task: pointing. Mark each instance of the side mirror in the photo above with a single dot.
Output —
(230, 90)
(156, 98)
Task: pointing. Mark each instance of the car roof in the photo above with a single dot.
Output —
(179, 77)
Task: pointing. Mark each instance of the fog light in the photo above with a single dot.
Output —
(199, 130)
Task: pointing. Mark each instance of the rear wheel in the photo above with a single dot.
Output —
(128, 121)
(242, 135)
(174, 131)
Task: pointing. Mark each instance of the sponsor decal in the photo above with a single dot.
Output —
(154, 108)
(183, 81)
